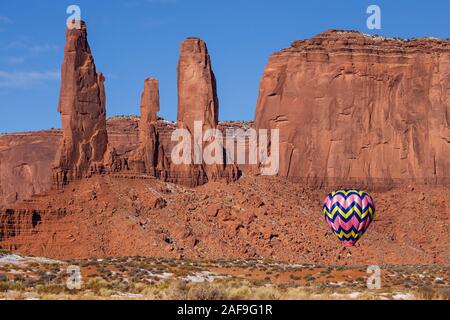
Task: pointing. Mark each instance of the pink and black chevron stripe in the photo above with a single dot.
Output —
(349, 212)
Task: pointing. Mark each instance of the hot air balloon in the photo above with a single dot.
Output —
(348, 212)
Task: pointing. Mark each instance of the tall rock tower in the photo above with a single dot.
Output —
(197, 101)
(82, 106)
(197, 95)
(149, 108)
(149, 157)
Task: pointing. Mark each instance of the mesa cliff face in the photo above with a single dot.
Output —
(358, 109)
(82, 105)
(26, 158)
(25, 164)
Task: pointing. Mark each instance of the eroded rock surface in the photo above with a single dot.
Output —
(83, 115)
(149, 158)
(356, 109)
(25, 164)
(197, 95)
(198, 102)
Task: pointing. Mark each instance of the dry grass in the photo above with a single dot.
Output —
(98, 288)
(165, 279)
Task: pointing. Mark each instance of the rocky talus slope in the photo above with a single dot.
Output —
(255, 218)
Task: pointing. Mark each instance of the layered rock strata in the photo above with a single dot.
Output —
(360, 110)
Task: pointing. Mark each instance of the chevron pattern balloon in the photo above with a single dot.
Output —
(349, 212)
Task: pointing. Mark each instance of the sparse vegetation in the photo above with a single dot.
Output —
(148, 278)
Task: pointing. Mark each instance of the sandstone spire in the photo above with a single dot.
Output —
(149, 157)
(82, 107)
(197, 96)
(149, 108)
(197, 101)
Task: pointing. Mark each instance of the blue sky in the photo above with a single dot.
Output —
(135, 39)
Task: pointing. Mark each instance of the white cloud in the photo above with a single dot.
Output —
(15, 44)
(17, 52)
(26, 79)
(42, 48)
(5, 20)
(13, 60)
(32, 48)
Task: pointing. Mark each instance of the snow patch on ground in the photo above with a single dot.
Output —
(11, 259)
(164, 275)
(353, 295)
(402, 296)
(17, 260)
(204, 276)
(127, 295)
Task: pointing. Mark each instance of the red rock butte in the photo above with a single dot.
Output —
(358, 109)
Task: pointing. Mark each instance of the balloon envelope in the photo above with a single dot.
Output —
(349, 212)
